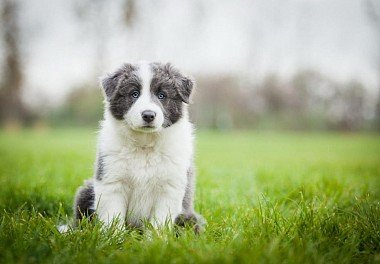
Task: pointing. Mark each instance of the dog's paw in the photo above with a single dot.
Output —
(63, 229)
(193, 220)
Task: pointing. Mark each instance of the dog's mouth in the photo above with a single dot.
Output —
(147, 128)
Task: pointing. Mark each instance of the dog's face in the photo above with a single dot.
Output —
(147, 96)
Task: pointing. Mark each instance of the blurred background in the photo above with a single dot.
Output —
(259, 64)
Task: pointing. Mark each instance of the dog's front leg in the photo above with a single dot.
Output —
(166, 210)
(111, 204)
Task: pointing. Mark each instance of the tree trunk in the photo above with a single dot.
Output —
(11, 107)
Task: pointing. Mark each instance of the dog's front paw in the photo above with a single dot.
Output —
(193, 220)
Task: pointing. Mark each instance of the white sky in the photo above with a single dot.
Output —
(202, 37)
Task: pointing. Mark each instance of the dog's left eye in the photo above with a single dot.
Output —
(135, 94)
(161, 95)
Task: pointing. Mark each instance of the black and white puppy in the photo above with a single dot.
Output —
(144, 165)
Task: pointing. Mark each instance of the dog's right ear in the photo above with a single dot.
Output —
(110, 83)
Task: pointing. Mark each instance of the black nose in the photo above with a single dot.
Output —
(148, 116)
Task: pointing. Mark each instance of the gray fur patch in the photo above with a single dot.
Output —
(99, 167)
(188, 199)
(177, 88)
(118, 88)
(84, 200)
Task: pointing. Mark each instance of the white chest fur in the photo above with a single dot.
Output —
(144, 175)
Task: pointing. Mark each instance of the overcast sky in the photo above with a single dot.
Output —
(249, 38)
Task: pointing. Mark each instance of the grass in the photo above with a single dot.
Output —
(267, 197)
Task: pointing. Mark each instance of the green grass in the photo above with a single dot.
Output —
(267, 197)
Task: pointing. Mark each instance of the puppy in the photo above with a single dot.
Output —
(144, 165)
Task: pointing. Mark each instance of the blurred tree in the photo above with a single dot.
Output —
(12, 111)
(353, 114)
(302, 100)
(129, 12)
(83, 107)
(373, 12)
(272, 94)
(221, 103)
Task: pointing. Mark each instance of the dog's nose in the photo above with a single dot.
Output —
(148, 116)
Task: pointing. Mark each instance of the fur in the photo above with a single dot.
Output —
(144, 171)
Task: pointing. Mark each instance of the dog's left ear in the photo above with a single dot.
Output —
(185, 88)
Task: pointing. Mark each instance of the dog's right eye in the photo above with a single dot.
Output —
(135, 94)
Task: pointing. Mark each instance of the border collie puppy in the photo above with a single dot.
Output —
(144, 166)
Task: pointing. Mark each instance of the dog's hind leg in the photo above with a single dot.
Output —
(84, 201)
(83, 205)
(189, 217)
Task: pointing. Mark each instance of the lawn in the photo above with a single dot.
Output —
(267, 197)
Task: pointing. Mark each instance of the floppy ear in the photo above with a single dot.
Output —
(109, 84)
(185, 88)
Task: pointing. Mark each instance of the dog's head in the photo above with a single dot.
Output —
(147, 96)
